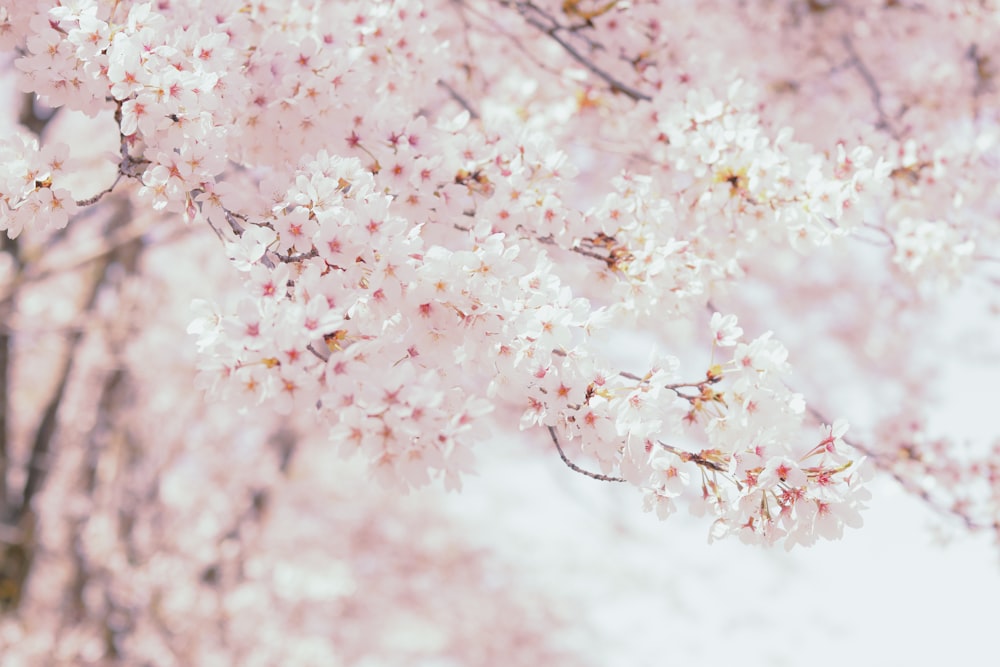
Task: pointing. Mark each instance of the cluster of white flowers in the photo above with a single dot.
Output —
(931, 247)
(29, 185)
(416, 263)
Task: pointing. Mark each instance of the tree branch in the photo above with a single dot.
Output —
(100, 195)
(41, 446)
(455, 95)
(112, 243)
(553, 32)
(872, 84)
(910, 486)
(576, 468)
(29, 117)
(6, 347)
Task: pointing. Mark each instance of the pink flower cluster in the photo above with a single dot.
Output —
(29, 185)
(444, 211)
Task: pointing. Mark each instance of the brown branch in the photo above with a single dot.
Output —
(576, 468)
(697, 458)
(319, 355)
(608, 260)
(301, 257)
(553, 31)
(455, 95)
(231, 219)
(983, 71)
(100, 195)
(872, 84)
(495, 27)
(16, 563)
(6, 349)
(107, 438)
(674, 387)
(113, 243)
(29, 117)
(16, 560)
(42, 443)
(885, 464)
(85, 570)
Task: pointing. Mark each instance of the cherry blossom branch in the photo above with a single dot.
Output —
(572, 466)
(6, 340)
(98, 441)
(989, 259)
(319, 355)
(455, 95)
(128, 166)
(111, 244)
(300, 257)
(100, 195)
(38, 466)
(889, 240)
(29, 117)
(37, 462)
(585, 248)
(496, 27)
(526, 9)
(704, 392)
(571, 8)
(920, 492)
(872, 84)
(11, 534)
(111, 395)
(36, 124)
(706, 458)
(6, 349)
(885, 464)
(231, 218)
(981, 67)
(17, 560)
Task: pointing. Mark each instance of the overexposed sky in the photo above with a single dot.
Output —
(655, 593)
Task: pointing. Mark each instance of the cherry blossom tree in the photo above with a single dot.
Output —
(405, 226)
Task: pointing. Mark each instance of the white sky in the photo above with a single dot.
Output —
(655, 593)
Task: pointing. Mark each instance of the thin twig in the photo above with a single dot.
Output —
(576, 468)
(41, 446)
(693, 457)
(301, 257)
(318, 354)
(6, 349)
(231, 219)
(100, 195)
(29, 117)
(873, 89)
(553, 32)
(884, 463)
(455, 95)
(113, 243)
(499, 29)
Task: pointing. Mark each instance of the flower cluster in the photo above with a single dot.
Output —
(442, 211)
(330, 329)
(29, 185)
(762, 475)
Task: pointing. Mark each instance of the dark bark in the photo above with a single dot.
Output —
(16, 558)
